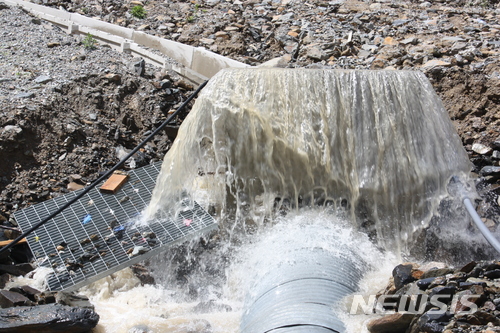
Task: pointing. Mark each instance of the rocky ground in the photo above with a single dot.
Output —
(468, 297)
(68, 109)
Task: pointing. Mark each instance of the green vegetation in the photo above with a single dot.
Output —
(22, 73)
(138, 12)
(195, 13)
(89, 42)
(482, 3)
(486, 3)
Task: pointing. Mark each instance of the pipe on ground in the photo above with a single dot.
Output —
(480, 225)
(302, 292)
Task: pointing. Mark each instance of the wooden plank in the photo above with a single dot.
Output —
(114, 183)
(7, 242)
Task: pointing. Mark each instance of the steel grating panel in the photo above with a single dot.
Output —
(97, 235)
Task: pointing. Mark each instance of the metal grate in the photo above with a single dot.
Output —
(97, 235)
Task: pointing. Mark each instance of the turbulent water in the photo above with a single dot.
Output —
(127, 307)
(378, 143)
(333, 162)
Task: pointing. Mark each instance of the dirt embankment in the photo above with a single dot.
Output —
(69, 111)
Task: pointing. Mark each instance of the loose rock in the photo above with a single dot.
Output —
(47, 318)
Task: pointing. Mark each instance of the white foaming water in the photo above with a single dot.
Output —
(124, 304)
(35, 279)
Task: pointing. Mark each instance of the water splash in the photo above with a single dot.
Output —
(376, 142)
(170, 306)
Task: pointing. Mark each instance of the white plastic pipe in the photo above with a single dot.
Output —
(479, 223)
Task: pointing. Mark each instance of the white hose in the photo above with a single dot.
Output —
(483, 228)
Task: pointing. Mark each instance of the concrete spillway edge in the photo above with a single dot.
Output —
(194, 63)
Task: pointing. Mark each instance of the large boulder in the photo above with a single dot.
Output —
(49, 318)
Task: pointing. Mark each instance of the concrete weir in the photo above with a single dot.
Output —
(194, 63)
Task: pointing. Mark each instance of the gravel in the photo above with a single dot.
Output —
(68, 110)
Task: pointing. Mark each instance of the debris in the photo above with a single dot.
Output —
(3, 243)
(72, 186)
(119, 233)
(86, 219)
(138, 250)
(124, 199)
(85, 241)
(114, 183)
(149, 234)
(72, 265)
(119, 228)
(113, 224)
(88, 257)
(122, 228)
(139, 67)
(187, 222)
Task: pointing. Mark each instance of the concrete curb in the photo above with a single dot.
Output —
(194, 63)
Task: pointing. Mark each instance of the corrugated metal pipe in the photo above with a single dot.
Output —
(302, 292)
